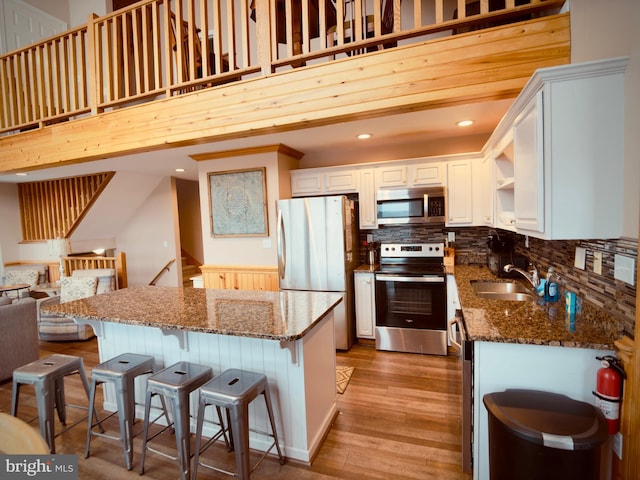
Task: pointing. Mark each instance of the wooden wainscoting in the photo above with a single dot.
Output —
(240, 277)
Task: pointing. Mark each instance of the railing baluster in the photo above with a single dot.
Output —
(128, 55)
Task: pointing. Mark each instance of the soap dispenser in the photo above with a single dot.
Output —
(551, 287)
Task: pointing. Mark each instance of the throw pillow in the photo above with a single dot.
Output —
(14, 277)
(75, 288)
(106, 278)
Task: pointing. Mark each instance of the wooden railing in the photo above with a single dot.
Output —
(155, 49)
(54, 208)
(118, 263)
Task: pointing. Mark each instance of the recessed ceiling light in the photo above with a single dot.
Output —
(179, 169)
(465, 123)
(364, 136)
(22, 174)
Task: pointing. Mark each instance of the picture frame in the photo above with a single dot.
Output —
(238, 202)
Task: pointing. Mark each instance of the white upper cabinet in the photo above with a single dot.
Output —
(459, 193)
(324, 181)
(341, 181)
(529, 168)
(568, 164)
(392, 176)
(483, 184)
(367, 209)
(305, 183)
(503, 168)
(427, 174)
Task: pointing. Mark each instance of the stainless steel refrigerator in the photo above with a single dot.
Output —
(318, 251)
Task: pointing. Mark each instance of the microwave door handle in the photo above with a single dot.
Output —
(425, 212)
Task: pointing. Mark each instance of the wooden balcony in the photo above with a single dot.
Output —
(165, 73)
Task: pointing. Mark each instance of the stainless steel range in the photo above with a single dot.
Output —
(411, 299)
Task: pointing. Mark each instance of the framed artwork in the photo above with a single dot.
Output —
(238, 200)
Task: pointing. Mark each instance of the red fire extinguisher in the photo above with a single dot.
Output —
(608, 390)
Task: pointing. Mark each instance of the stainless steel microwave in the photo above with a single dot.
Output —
(411, 205)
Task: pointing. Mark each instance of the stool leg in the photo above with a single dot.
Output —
(15, 395)
(181, 424)
(61, 408)
(240, 429)
(202, 405)
(124, 389)
(44, 393)
(267, 401)
(92, 399)
(145, 429)
(85, 384)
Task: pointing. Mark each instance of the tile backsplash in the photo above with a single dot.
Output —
(613, 301)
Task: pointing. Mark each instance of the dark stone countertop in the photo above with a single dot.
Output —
(526, 322)
(284, 315)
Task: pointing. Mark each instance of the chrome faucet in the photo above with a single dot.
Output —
(532, 275)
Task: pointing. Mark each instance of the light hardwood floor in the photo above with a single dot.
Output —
(399, 419)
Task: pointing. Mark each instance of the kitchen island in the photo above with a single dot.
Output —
(526, 344)
(288, 336)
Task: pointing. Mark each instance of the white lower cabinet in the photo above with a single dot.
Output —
(365, 304)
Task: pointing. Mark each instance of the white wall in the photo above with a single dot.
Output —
(190, 220)
(257, 251)
(610, 29)
(149, 239)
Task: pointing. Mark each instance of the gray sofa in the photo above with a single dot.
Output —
(18, 335)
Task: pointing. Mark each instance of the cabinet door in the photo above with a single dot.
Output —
(394, 176)
(459, 193)
(341, 181)
(365, 304)
(367, 200)
(426, 174)
(529, 167)
(304, 183)
(486, 192)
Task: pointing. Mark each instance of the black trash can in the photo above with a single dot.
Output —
(540, 435)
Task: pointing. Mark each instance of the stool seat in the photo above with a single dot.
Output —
(121, 371)
(234, 390)
(176, 383)
(47, 376)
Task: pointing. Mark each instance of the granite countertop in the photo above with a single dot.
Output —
(527, 322)
(285, 315)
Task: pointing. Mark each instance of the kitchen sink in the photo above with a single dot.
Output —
(501, 291)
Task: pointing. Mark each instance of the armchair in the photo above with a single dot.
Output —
(81, 284)
(19, 340)
(58, 327)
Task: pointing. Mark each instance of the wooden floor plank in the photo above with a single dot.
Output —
(398, 418)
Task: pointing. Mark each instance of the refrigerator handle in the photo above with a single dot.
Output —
(281, 246)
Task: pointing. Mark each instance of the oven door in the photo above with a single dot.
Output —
(418, 302)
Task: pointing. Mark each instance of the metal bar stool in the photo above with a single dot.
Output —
(176, 383)
(234, 390)
(122, 372)
(47, 377)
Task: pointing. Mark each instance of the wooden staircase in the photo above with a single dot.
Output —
(188, 270)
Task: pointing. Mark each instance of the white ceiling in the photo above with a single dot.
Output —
(392, 136)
